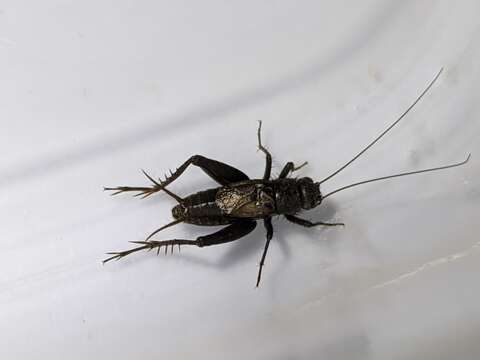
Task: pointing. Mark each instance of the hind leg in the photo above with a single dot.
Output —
(222, 173)
(230, 233)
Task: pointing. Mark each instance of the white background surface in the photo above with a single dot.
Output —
(92, 91)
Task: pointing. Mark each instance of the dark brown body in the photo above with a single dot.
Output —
(249, 199)
(240, 202)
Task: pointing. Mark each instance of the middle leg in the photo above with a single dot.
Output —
(268, 226)
(268, 156)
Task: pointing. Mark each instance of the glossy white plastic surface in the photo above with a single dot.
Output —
(93, 91)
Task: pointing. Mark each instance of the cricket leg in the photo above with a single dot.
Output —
(222, 173)
(268, 226)
(144, 191)
(230, 233)
(307, 223)
(289, 168)
(268, 156)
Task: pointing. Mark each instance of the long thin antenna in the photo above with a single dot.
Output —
(387, 130)
(398, 175)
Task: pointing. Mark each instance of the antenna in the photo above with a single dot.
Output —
(398, 175)
(387, 130)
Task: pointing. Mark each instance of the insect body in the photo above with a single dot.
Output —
(239, 202)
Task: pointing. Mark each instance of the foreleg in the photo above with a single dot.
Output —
(309, 224)
(289, 168)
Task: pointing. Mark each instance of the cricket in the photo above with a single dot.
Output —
(239, 202)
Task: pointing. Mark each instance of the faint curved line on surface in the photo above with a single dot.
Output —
(248, 98)
(428, 265)
(399, 278)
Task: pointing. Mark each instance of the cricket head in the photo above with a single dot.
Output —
(309, 193)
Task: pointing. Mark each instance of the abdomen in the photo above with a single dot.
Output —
(200, 209)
